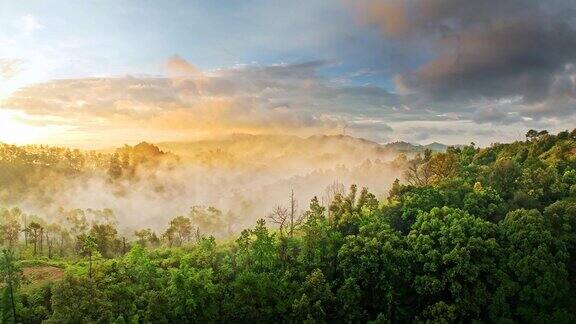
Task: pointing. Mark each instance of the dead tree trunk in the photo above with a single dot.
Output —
(292, 212)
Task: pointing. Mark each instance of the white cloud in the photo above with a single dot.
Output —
(249, 99)
(28, 24)
(9, 67)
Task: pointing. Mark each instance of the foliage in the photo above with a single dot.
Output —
(469, 235)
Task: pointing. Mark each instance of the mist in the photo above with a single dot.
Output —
(243, 176)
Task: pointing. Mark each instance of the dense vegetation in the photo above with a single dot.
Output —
(486, 234)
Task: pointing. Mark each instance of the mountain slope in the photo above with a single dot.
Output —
(285, 150)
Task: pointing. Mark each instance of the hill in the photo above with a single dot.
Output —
(469, 235)
(321, 151)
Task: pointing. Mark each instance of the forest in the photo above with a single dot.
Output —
(469, 234)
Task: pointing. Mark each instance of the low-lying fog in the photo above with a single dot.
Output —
(245, 177)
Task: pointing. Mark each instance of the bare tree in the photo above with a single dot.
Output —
(332, 190)
(287, 218)
(418, 172)
(279, 216)
(295, 220)
(296, 217)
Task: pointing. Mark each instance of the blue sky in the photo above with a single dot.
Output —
(119, 37)
(386, 73)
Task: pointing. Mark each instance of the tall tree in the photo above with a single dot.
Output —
(10, 226)
(179, 230)
(10, 276)
(35, 230)
(89, 246)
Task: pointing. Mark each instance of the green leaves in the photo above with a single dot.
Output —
(485, 203)
(376, 261)
(455, 248)
(455, 256)
(534, 282)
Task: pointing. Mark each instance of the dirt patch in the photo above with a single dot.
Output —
(42, 274)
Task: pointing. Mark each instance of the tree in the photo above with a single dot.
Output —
(256, 248)
(394, 191)
(443, 166)
(315, 210)
(77, 223)
(257, 297)
(561, 216)
(538, 187)
(295, 220)
(170, 235)
(279, 216)
(316, 301)
(208, 220)
(503, 177)
(10, 276)
(36, 230)
(106, 238)
(10, 226)
(377, 262)
(417, 200)
(115, 167)
(455, 257)
(63, 238)
(89, 246)
(484, 203)
(147, 237)
(533, 278)
(287, 218)
(419, 172)
(79, 300)
(320, 242)
(193, 295)
(347, 211)
(182, 228)
(330, 193)
(531, 134)
(51, 233)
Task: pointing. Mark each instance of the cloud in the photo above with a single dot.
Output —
(9, 67)
(488, 50)
(282, 98)
(28, 24)
(491, 114)
(455, 132)
(509, 59)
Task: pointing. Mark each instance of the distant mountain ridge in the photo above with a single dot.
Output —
(255, 141)
(411, 148)
(328, 150)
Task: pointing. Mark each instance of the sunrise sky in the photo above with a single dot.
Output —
(98, 73)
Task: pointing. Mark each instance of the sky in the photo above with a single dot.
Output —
(99, 73)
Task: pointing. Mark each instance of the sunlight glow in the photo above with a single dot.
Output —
(13, 130)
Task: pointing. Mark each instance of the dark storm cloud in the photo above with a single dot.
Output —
(483, 49)
(512, 58)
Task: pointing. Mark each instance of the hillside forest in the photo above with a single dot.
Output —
(221, 232)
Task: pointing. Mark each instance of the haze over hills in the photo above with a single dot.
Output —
(324, 151)
(246, 174)
(261, 169)
(147, 184)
